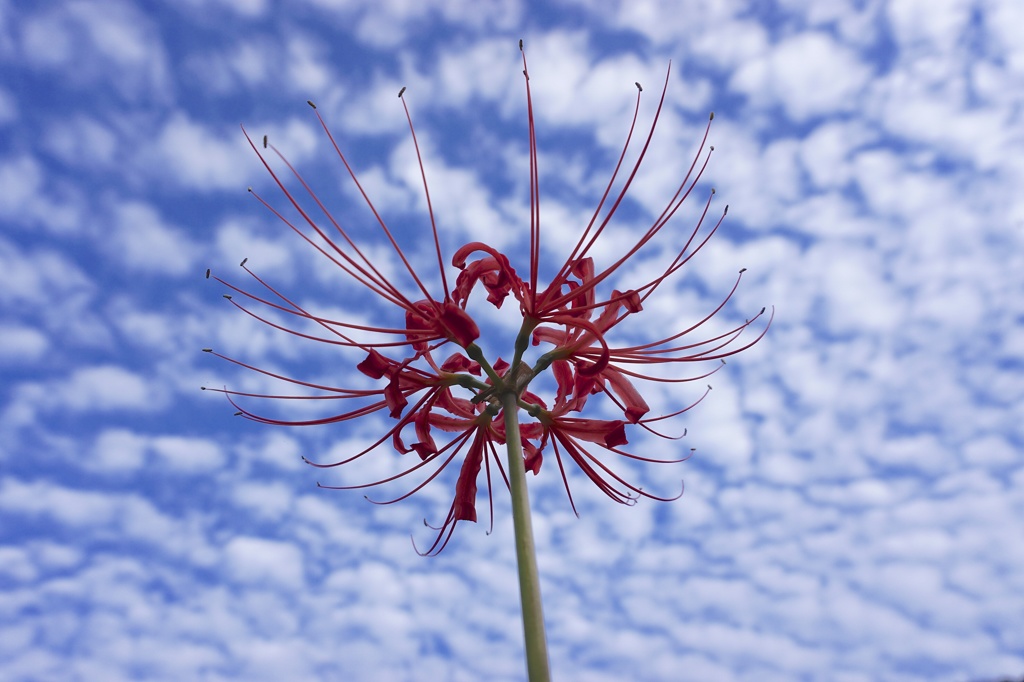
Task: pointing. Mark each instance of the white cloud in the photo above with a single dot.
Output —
(247, 8)
(108, 43)
(276, 449)
(825, 153)
(143, 242)
(8, 108)
(16, 565)
(28, 201)
(102, 388)
(117, 450)
(235, 241)
(76, 508)
(191, 155)
(244, 8)
(999, 21)
(389, 23)
(21, 178)
(83, 142)
(991, 450)
(808, 75)
(711, 28)
(22, 345)
(931, 25)
(188, 455)
(260, 561)
(264, 500)
(307, 69)
(156, 332)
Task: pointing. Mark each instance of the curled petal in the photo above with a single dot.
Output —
(417, 324)
(458, 406)
(501, 366)
(394, 397)
(592, 333)
(457, 325)
(427, 320)
(583, 302)
(487, 271)
(608, 433)
(494, 271)
(533, 457)
(425, 447)
(457, 362)
(556, 337)
(583, 268)
(464, 508)
(375, 365)
(635, 405)
(531, 430)
(562, 369)
(631, 300)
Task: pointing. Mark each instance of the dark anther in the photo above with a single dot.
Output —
(207, 350)
(248, 189)
(202, 388)
(712, 147)
(244, 261)
(227, 296)
(264, 141)
(310, 103)
(743, 270)
(401, 92)
(726, 211)
(207, 273)
(238, 414)
(712, 117)
(762, 311)
(638, 86)
(520, 43)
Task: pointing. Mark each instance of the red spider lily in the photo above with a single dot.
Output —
(459, 399)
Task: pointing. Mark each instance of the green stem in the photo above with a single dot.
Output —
(526, 556)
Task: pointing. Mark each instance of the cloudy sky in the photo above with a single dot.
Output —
(853, 505)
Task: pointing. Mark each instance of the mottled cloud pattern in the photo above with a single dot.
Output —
(853, 505)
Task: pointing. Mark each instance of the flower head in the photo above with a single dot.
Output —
(429, 376)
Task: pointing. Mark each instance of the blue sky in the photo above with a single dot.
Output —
(853, 506)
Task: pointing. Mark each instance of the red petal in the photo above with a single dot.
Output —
(636, 406)
(464, 507)
(375, 365)
(394, 398)
(562, 369)
(426, 446)
(495, 272)
(534, 457)
(457, 362)
(607, 433)
(458, 325)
